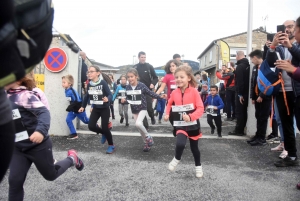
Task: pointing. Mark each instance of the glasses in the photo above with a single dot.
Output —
(89, 72)
(289, 26)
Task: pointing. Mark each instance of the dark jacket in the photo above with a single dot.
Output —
(34, 115)
(84, 70)
(215, 101)
(295, 52)
(254, 87)
(147, 74)
(242, 75)
(105, 90)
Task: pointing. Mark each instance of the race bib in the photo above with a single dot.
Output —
(210, 110)
(173, 86)
(121, 94)
(134, 97)
(178, 111)
(96, 97)
(21, 133)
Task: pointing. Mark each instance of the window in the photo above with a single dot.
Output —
(210, 56)
(205, 60)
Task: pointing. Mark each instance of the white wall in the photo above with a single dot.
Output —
(56, 94)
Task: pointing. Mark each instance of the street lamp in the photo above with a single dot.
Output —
(133, 59)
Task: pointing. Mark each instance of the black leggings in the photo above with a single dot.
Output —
(41, 156)
(111, 106)
(180, 145)
(7, 141)
(104, 114)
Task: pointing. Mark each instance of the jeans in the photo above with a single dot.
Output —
(71, 116)
(160, 108)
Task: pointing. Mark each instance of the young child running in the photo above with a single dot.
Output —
(120, 93)
(75, 103)
(135, 95)
(213, 105)
(187, 108)
(32, 142)
(100, 97)
(169, 82)
(161, 103)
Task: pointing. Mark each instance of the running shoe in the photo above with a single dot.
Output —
(72, 136)
(146, 147)
(149, 140)
(173, 164)
(121, 120)
(199, 171)
(110, 149)
(77, 161)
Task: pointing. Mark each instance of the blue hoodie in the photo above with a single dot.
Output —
(69, 94)
(120, 87)
(215, 101)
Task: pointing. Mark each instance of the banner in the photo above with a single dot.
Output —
(225, 53)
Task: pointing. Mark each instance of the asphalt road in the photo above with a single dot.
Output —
(232, 171)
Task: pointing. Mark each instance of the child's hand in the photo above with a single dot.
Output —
(36, 137)
(186, 118)
(166, 118)
(215, 107)
(81, 110)
(123, 100)
(105, 99)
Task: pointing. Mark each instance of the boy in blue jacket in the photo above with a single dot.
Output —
(213, 105)
(75, 103)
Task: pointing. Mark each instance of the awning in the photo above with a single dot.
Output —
(207, 68)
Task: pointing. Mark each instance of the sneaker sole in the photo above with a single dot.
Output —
(73, 138)
(82, 164)
(112, 151)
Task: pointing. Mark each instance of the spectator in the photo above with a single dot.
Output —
(242, 74)
(205, 87)
(228, 76)
(288, 51)
(148, 77)
(198, 79)
(177, 57)
(83, 70)
(261, 102)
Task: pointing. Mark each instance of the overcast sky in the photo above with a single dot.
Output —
(113, 31)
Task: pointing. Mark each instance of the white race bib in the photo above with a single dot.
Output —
(21, 133)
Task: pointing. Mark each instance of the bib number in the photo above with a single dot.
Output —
(134, 97)
(121, 94)
(21, 133)
(96, 97)
(178, 111)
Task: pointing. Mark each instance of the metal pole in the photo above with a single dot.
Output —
(251, 110)
(249, 33)
(79, 89)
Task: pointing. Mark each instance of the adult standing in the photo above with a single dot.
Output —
(84, 70)
(242, 74)
(177, 57)
(147, 76)
(288, 48)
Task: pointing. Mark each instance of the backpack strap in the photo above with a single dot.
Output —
(76, 99)
(284, 94)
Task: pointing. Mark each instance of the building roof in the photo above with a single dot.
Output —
(214, 41)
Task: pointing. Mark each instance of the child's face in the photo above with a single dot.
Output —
(182, 79)
(198, 76)
(123, 80)
(213, 91)
(172, 67)
(132, 79)
(93, 74)
(65, 84)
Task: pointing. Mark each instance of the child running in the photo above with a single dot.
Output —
(213, 105)
(75, 103)
(161, 103)
(136, 96)
(169, 82)
(120, 92)
(187, 108)
(32, 142)
(100, 96)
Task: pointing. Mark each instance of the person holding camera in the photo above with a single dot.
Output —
(288, 49)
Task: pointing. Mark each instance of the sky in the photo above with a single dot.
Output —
(114, 31)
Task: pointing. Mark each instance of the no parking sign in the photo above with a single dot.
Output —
(55, 60)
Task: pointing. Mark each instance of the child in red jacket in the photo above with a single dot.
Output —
(187, 108)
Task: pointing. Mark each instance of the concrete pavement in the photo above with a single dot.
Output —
(232, 171)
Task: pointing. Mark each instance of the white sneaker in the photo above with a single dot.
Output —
(173, 164)
(280, 147)
(199, 172)
(283, 154)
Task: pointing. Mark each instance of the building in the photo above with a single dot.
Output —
(221, 51)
